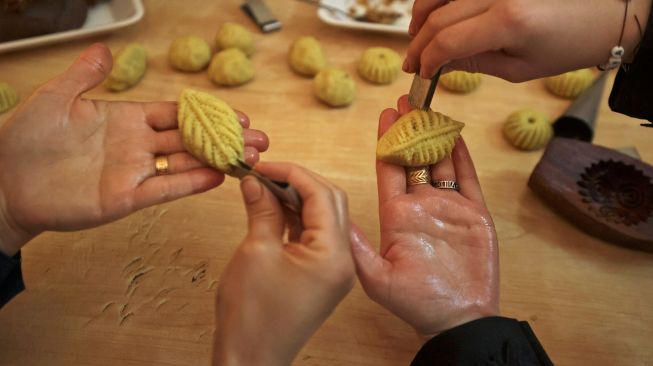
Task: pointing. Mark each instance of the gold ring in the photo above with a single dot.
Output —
(418, 175)
(161, 165)
(446, 184)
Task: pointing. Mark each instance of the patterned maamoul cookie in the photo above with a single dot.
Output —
(306, 56)
(129, 66)
(419, 138)
(528, 130)
(8, 97)
(334, 87)
(570, 84)
(189, 54)
(210, 129)
(379, 65)
(231, 68)
(233, 35)
(460, 81)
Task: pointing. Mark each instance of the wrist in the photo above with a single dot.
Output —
(229, 351)
(456, 321)
(12, 238)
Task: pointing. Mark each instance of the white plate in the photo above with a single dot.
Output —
(102, 18)
(339, 19)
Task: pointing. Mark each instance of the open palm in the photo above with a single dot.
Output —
(70, 163)
(437, 266)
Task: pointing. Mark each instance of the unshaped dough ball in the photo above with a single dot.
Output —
(460, 81)
(210, 129)
(379, 65)
(230, 68)
(128, 67)
(189, 53)
(334, 87)
(528, 129)
(233, 35)
(570, 84)
(306, 56)
(419, 138)
(8, 97)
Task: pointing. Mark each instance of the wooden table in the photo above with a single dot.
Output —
(588, 301)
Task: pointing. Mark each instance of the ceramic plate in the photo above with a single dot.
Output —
(340, 18)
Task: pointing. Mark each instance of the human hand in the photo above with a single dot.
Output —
(518, 40)
(438, 264)
(274, 294)
(70, 163)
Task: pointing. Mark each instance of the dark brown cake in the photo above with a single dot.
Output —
(23, 19)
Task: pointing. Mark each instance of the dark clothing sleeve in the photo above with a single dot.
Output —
(11, 278)
(492, 341)
(632, 93)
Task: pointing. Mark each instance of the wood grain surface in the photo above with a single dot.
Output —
(141, 291)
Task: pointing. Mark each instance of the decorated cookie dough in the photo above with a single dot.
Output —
(528, 130)
(379, 65)
(334, 87)
(233, 35)
(189, 54)
(306, 56)
(129, 66)
(419, 138)
(570, 84)
(231, 68)
(210, 129)
(8, 97)
(460, 81)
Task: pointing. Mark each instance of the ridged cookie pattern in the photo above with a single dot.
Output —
(460, 81)
(528, 129)
(419, 138)
(570, 84)
(210, 129)
(379, 65)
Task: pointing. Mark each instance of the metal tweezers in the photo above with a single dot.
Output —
(285, 193)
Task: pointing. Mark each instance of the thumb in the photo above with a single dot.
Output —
(87, 72)
(371, 268)
(264, 213)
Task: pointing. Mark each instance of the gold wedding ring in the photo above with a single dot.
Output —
(419, 175)
(161, 165)
(446, 184)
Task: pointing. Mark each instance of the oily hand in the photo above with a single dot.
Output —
(438, 266)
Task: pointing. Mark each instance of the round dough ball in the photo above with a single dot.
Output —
(233, 35)
(570, 84)
(379, 65)
(460, 81)
(129, 66)
(8, 97)
(189, 53)
(528, 130)
(306, 56)
(230, 68)
(334, 87)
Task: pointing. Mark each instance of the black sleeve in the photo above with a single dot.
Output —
(11, 278)
(493, 341)
(632, 93)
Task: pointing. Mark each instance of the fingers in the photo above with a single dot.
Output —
(421, 10)
(470, 187)
(88, 71)
(161, 116)
(168, 142)
(323, 205)
(264, 213)
(251, 155)
(443, 170)
(497, 63)
(181, 162)
(438, 20)
(461, 40)
(243, 118)
(164, 188)
(256, 139)
(403, 106)
(371, 268)
(391, 179)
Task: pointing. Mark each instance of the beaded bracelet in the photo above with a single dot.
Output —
(617, 52)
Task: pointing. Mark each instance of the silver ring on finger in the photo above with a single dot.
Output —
(446, 184)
